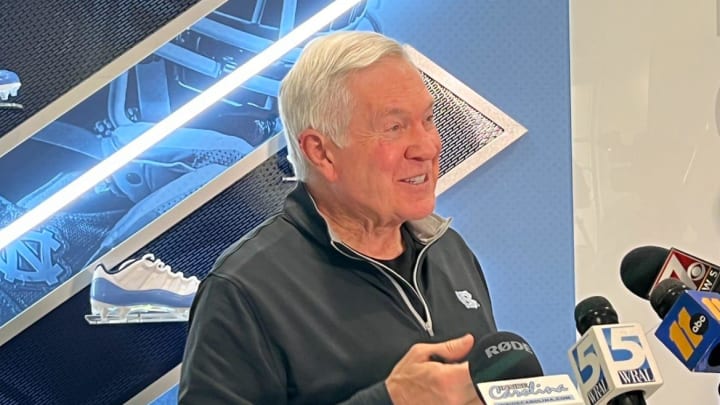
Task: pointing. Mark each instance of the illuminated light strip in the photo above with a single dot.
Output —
(172, 122)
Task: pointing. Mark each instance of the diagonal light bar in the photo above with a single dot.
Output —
(172, 122)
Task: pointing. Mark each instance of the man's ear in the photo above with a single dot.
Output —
(319, 151)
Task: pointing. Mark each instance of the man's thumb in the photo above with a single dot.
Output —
(456, 349)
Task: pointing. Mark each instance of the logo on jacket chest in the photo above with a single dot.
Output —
(467, 299)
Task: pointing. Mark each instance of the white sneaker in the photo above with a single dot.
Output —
(9, 84)
(141, 286)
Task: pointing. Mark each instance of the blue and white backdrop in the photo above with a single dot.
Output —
(95, 80)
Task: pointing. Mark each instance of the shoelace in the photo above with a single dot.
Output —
(164, 267)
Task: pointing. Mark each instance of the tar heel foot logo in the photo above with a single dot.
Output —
(9, 86)
(467, 299)
(554, 389)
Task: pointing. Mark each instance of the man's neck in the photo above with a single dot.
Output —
(378, 242)
(364, 234)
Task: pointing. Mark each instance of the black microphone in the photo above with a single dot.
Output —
(594, 311)
(503, 356)
(665, 295)
(503, 366)
(643, 268)
(640, 267)
(611, 361)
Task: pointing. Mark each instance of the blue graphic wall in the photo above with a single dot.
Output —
(515, 211)
(120, 112)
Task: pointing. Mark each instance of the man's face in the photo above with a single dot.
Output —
(388, 168)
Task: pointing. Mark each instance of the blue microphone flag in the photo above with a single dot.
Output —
(691, 331)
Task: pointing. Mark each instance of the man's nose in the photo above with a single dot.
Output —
(425, 145)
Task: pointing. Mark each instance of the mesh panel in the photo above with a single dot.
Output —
(463, 129)
(193, 245)
(56, 44)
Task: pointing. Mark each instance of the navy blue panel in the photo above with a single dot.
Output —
(107, 121)
(62, 359)
(53, 45)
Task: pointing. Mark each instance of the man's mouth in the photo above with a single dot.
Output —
(416, 180)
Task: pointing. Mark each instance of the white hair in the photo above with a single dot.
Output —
(314, 93)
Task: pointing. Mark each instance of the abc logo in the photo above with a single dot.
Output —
(698, 324)
(696, 271)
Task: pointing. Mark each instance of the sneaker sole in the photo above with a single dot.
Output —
(103, 312)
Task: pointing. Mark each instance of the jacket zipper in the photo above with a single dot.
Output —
(426, 324)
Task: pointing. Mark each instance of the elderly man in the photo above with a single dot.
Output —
(356, 292)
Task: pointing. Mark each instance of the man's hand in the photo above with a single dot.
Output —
(417, 379)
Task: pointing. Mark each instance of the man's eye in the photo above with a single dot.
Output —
(395, 128)
(430, 118)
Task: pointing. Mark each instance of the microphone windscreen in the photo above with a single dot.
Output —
(593, 311)
(665, 294)
(640, 267)
(502, 356)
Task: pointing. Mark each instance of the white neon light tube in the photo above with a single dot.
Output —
(182, 115)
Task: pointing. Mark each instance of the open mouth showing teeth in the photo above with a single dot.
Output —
(416, 180)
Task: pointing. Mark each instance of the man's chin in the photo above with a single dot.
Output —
(419, 212)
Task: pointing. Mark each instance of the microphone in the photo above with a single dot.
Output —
(611, 361)
(643, 268)
(690, 326)
(505, 370)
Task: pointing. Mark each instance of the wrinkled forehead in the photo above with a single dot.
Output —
(390, 85)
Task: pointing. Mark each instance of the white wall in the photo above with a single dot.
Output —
(645, 78)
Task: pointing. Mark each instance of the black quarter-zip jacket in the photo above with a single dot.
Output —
(289, 315)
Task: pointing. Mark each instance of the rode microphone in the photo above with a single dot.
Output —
(643, 268)
(611, 362)
(505, 370)
(690, 326)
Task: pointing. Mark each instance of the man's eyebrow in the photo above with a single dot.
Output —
(393, 111)
(400, 111)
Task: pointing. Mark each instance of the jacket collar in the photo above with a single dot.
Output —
(300, 209)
